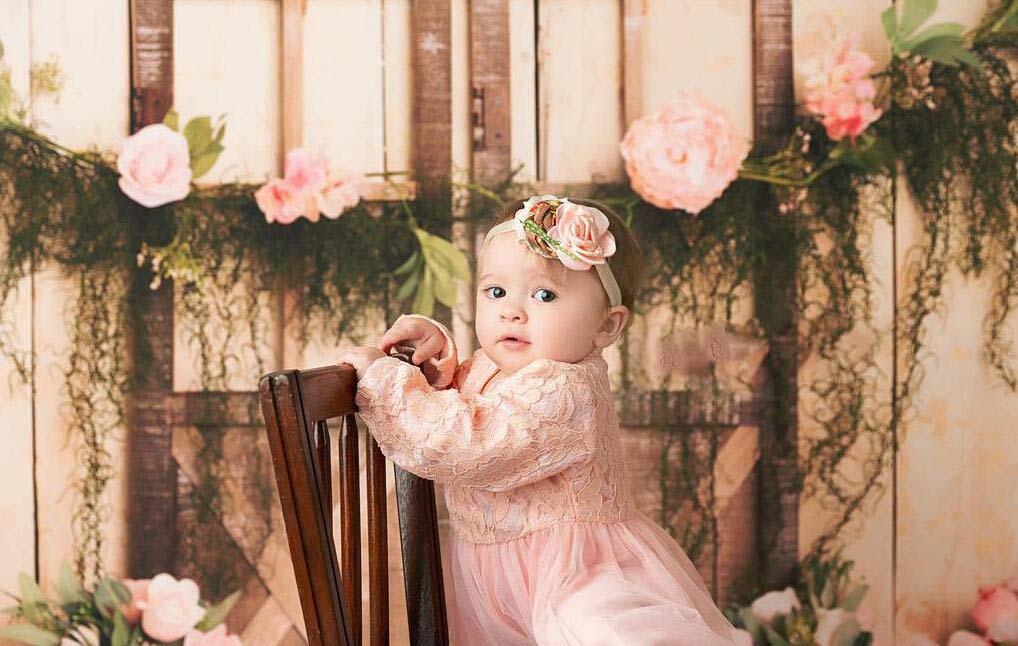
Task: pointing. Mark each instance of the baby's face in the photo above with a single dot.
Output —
(555, 312)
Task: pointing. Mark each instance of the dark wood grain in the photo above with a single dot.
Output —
(294, 402)
(152, 473)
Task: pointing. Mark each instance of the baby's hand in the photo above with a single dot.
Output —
(361, 358)
(426, 338)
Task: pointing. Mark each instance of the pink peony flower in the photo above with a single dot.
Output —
(279, 202)
(772, 604)
(215, 637)
(996, 605)
(172, 608)
(154, 166)
(339, 194)
(839, 90)
(139, 594)
(304, 171)
(583, 231)
(685, 156)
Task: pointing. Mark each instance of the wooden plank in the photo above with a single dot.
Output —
(92, 110)
(18, 444)
(432, 86)
(579, 115)
(292, 73)
(523, 88)
(773, 109)
(152, 509)
(489, 64)
(633, 15)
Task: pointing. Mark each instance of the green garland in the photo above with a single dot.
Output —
(954, 136)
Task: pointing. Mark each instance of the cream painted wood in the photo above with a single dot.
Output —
(397, 74)
(92, 110)
(579, 111)
(17, 505)
(522, 89)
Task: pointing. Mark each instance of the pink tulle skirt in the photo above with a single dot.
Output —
(581, 583)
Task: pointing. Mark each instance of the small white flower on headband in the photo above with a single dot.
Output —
(574, 233)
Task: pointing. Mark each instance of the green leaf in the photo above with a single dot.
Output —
(198, 133)
(217, 613)
(410, 285)
(751, 623)
(916, 13)
(773, 637)
(205, 160)
(424, 302)
(29, 634)
(220, 133)
(172, 119)
(408, 264)
(854, 598)
(445, 290)
(864, 639)
(889, 18)
(942, 49)
(68, 588)
(846, 632)
(30, 592)
(121, 631)
(453, 257)
(941, 29)
(970, 59)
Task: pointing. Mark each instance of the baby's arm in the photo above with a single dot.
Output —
(540, 420)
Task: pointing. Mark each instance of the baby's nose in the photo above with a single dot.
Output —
(513, 314)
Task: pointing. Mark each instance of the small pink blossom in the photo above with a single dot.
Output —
(309, 189)
(139, 594)
(279, 202)
(583, 231)
(215, 637)
(172, 608)
(839, 90)
(967, 638)
(685, 156)
(341, 192)
(155, 166)
(996, 604)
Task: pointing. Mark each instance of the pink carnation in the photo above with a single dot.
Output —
(839, 90)
(155, 166)
(172, 608)
(685, 156)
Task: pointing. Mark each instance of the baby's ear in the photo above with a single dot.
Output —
(611, 328)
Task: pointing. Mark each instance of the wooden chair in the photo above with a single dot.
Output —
(296, 405)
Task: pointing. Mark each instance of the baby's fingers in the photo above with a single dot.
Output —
(428, 349)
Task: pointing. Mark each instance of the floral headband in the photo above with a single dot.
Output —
(576, 234)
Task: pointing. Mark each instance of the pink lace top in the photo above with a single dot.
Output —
(538, 447)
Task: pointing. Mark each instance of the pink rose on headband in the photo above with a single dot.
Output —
(155, 166)
(839, 90)
(583, 231)
(685, 156)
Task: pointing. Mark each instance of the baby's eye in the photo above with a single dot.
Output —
(499, 294)
(548, 297)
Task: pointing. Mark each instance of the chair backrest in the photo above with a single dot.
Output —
(296, 405)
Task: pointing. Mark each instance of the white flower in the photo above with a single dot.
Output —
(772, 604)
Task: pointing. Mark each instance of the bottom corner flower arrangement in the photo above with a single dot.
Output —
(160, 610)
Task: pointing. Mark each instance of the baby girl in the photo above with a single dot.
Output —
(547, 545)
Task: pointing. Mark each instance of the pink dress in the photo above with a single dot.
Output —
(547, 546)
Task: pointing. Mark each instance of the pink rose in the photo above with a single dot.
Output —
(339, 194)
(155, 166)
(215, 637)
(839, 90)
(139, 594)
(279, 202)
(685, 156)
(172, 608)
(582, 230)
(304, 171)
(996, 604)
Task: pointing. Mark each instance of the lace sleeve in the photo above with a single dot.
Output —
(533, 424)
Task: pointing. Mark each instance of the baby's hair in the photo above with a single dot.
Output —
(626, 263)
